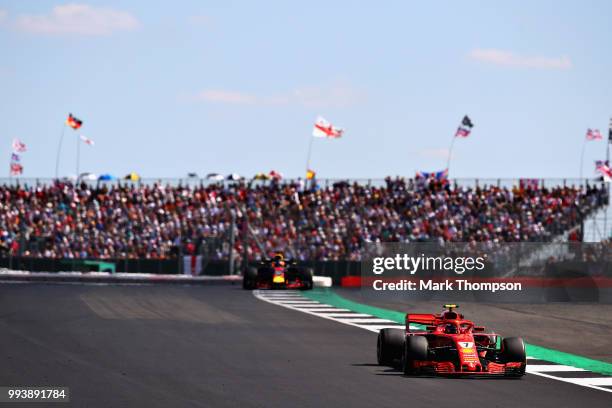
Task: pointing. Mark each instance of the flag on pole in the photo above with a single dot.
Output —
(15, 158)
(603, 168)
(593, 134)
(310, 174)
(275, 175)
(74, 122)
(437, 175)
(465, 128)
(16, 169)
(323, 128)
(87, 140)
(18, 146)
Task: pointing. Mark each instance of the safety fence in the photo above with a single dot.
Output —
(544, 260)
(334, 269)
(322, 182)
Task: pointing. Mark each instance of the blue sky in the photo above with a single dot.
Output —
(235, 86)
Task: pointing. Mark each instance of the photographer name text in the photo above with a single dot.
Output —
(447, 285)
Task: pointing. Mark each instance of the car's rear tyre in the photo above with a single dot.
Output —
(513, 351)
(390, 346)
(249, 280)
(415, 349)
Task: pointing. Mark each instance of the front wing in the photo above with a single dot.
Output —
(447, 368)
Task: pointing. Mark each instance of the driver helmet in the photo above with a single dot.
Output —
(278, 259)
(450, 329)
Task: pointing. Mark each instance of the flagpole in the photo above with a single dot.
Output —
(59, 149)
(309, 153)
(609, 141)
(606, 232)
(78, 155)
(582, 159)
(450, 152)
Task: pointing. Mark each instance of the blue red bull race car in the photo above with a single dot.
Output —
(448, 344)
(278, 273)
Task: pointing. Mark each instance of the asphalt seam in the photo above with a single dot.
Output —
(296, 301)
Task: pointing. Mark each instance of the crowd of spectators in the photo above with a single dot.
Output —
(315, 223)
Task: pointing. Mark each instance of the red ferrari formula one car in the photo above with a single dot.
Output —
(448, 344)
(278, 273)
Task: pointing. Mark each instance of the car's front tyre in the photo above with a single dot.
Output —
(415, 349)
(513, 351)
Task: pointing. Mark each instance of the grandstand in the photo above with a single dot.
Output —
(328, 220)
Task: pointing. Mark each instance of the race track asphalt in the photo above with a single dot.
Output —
(219, 346)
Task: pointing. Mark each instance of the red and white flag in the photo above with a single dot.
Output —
(603, 168)
(16, 169)
(323, 128)
(87, 140)
(462, 132)
(593, 134)
(275, 175)
(18, 146)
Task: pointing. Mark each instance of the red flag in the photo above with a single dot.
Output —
(16, 169)
(323, 128)
(74, 122)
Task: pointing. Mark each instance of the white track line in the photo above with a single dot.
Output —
(320, 306)
(282, 296)
(372, 319)
(347, 315)
(262, 296)
(545, 368)
(585, 382)
(607, 381)
(286, 297)
(376, 328)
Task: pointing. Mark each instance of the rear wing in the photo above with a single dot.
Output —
(426, 319)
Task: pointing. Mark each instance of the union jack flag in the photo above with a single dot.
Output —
(437, 175)
(603, 168)
(465, 128)
(593, 134)
(16, 169)
(18, 146)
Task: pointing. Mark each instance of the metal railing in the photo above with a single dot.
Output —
(323, 182)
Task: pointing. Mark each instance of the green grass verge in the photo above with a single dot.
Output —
(330, 297)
